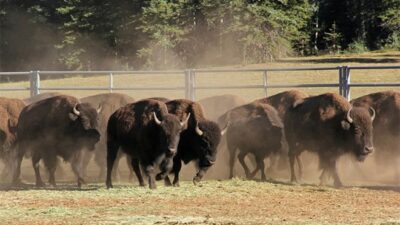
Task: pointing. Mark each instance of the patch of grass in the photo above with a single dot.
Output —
(245, 78)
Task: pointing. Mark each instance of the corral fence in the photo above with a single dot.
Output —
(189, 87)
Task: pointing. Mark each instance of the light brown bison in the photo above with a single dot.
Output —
(56, 126)
(386, 125)
(10, 110)
(328, 125)
(148, 134)
(107, 103)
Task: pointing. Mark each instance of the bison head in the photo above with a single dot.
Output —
(85, 124)
(358, 127)
(170, 132)
(208, 136)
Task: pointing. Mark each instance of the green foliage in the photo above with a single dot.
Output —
(162, 34)
(357, 47)
(333, 38)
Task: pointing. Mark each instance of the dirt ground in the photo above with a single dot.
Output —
(213, 202)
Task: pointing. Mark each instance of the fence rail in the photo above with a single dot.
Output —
(344, 80)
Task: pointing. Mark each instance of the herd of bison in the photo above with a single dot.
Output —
(157, 134)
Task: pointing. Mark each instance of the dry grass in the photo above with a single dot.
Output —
(214, 202)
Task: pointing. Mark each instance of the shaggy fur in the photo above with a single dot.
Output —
(320, 124)
(133, 129)
(49, 128)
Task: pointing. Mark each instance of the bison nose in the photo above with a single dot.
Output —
(172, 150)
(368, 150)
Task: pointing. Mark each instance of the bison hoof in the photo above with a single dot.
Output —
(40, 184)
(109, 185)
(177, 184)
(196, 180)
(338, 184)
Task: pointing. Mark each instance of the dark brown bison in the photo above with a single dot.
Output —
(386, 125)
(215, 106)
(40, 97)
(328, 125)
(148, 134)
(260, 135)
(281, 102)
(10, 110)
(108, 104)
(198, 142)
(56, 126)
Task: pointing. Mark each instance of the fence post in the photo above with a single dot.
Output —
(192, 85)
(111, 83)
(340, 80)
(34, 83)
(347, 82)
(187, 84)
(265, 83)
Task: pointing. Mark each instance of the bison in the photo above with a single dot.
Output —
(281, 102)
(198, 142)
(148, 133)
(328, 125)
(108, 104)
(56, 126)
(386, 124)
(10, 110)
(260, 135)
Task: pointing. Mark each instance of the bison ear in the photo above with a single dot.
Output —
(73, 116)
(345, 125)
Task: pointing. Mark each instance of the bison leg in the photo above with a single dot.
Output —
(76, 165)
(336, 180)
(232, 152)
(177, 169)
(300, 165)
(165, 167)
(241, 157)
(86, 157)
(261, 167)
(136, 169)
(50, 161)
(112, 150)
(17, 157)
(291, 162)
(35, 163)
(149, 170)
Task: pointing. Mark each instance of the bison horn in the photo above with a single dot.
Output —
(99, 109)
(186, 120)
(373, 113)
(76, 111)
(223, 131)
(349, 117)
(156, 119)
(198, 130)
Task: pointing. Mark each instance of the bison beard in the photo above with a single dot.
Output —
(327, 125)
(57, 126)
(148, 134)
